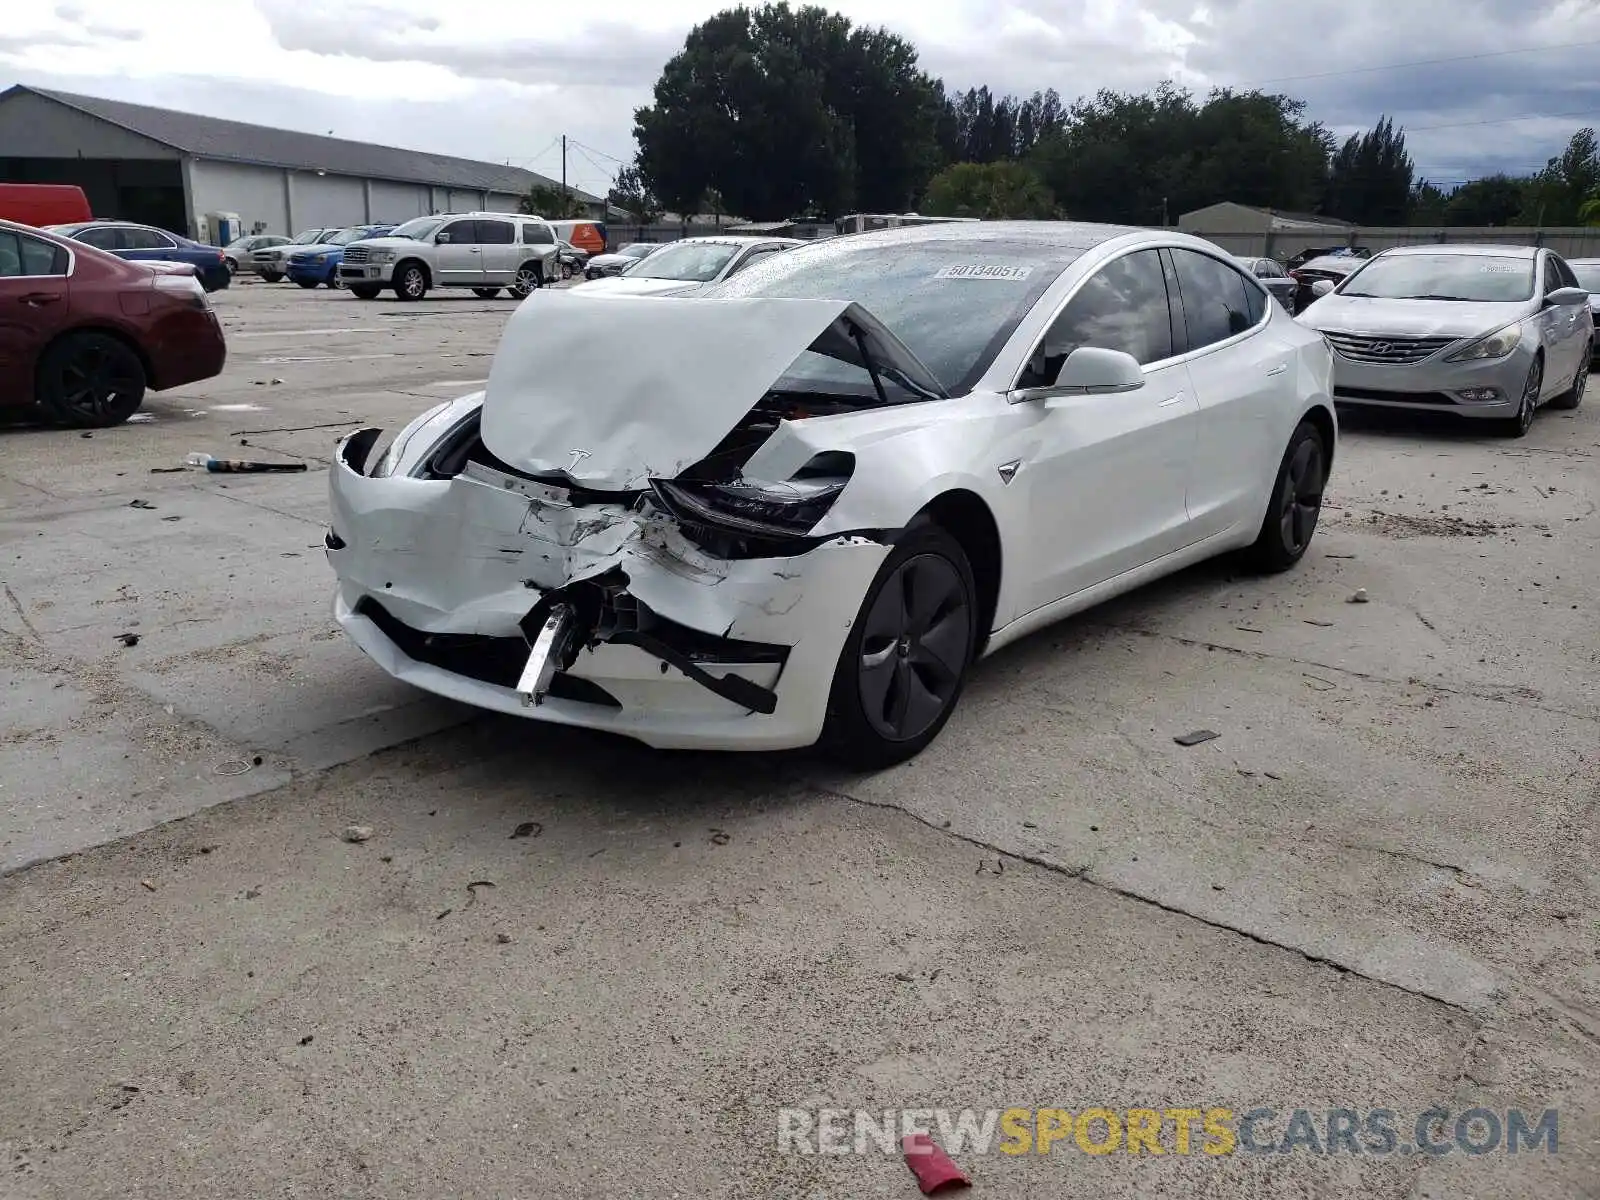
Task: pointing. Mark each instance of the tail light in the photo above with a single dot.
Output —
(1295, 275)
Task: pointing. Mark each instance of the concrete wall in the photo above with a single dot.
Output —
(501, 202)
(397, 202)
(326, 200)
(1570, 243)
(255, 193)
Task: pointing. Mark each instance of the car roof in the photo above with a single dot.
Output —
(1061, 235)
(1481, 248)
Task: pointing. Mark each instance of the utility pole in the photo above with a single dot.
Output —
(564, 193)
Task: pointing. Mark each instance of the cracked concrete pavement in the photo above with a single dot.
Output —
(1376, 888)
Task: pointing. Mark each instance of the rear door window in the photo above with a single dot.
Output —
(1216, 298)
(1122, 306)
(496, 233)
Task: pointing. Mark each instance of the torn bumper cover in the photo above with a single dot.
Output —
(512, 594)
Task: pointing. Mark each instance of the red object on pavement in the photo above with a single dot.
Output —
(932, 1166)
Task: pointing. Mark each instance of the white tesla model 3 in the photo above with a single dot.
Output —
(801, 504)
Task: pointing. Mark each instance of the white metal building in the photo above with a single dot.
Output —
(171, 169)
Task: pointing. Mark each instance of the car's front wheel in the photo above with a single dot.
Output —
(306, 283)
(365, 291)
(411, 282)
(902, 668)
(1296, 502)
(272, 276)
(529, 279)
(1518, 426)
(90, 381)
(487, 293)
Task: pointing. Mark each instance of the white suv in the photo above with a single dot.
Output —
(483, 251)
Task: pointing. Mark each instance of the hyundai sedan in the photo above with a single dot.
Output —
(809, 498)
(1479, 331)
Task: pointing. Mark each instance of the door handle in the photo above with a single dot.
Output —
(1278, 370)
(1177, 398)
(37, 299)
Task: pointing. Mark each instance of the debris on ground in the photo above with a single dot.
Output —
(147, 885)
(503, 939)
(933, 1168)
(128, 639)
(232, 766)
(357, 833)
(1319, 624)
(308, 1039)
(1196, 737)
(233, 466)
(719, 838)
(1359, 596)
(472, 890)
(527, 829)
(140, 504)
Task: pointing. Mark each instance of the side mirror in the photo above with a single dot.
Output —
(1567, 295)
(1321, 288)
(441, 239)
(1088, 371)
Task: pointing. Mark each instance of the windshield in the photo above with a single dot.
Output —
(1588, 275)
(417, 228)
(1481, 278)
(308, 237)
(698, 262)
(953, 302)
(638, 249)
(345, 236)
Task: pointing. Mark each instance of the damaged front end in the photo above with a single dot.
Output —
(688, 609)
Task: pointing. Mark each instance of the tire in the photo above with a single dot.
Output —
(1573, 396)
(410, 281)
(566, 272)
(530, 278)
(1518, 426)
(233, 267)
(272, 276)
(90, 381)
(894, 687)
(487, 293)
(307, 283)
(1295, 504)
(365, 291)
(334, 283)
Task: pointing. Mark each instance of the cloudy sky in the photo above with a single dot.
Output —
(1480, 85)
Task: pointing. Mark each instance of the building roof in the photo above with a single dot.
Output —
(239, 141)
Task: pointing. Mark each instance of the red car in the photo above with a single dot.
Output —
(84, 334)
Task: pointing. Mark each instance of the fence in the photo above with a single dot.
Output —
(1569, 242)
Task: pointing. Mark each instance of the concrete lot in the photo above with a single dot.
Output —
(1376, 888)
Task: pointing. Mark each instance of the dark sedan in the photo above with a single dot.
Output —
(84, 334)
(146, 243)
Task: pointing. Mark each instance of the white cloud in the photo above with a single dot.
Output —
(501, 82)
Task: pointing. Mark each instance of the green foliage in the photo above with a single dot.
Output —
(786, 109)
(632, 195)
(1589, 214)
(551, 203)
(1557, 194)
(1369, 180)
(992, 190)
(1494, 200)
(1137, 158)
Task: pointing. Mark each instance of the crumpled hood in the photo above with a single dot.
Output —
(562, 399)
(1410, 318)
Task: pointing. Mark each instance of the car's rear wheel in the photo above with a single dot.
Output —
(487, 293)
(90, 381)
(1296, 503)
(566, 272)
(272, 276)
(233, 267)
(902, 668)
(306, 283)
(411, 282)
(1518, 426)
(365, 291)
(1573, 396)
(529, 279)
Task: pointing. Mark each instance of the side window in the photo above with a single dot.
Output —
(100, 238)
(1216, 298)
(1122, 306)
(462, 233)
(496, 233)
(142, 239)
(755, 256)
(41, 258)
(1558, 275)
(536, 234)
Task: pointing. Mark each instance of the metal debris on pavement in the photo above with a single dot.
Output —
(1196, 737)
(356, 833)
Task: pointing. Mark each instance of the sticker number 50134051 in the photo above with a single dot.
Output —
(983, 271)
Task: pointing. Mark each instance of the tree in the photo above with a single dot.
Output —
(1138, 158)
(1556, 194)
(632, 195)
(1589, 213)
(786, 109)
(1493, 200)
(1427, 204)
(1369, 181)
(995, 190)
(551, 202)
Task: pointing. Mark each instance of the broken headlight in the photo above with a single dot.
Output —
(751, 506)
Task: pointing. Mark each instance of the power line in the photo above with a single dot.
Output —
(1421, 62)
(622, 162)
(1587, 112)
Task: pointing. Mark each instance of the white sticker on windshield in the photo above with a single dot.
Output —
(983, 271)
(1502, 268)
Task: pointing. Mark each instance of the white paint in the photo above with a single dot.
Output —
(298, 358)
(455, 383)
(139, 418)
(237, 408)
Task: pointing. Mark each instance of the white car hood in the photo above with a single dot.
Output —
(1410, 318)
(562, 400)
(626, 284)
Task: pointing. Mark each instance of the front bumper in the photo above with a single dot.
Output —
(365, 272)
(444, 583)
(1490, 388)
(317, 271)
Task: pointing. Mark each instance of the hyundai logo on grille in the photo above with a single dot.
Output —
(1380, 347)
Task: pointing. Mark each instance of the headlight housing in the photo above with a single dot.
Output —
(397, 448)
(750, 507)
(380, 256)
(1495, 345)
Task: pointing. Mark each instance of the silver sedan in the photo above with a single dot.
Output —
(1480, 331)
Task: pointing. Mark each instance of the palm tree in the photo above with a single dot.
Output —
(1589, 212)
